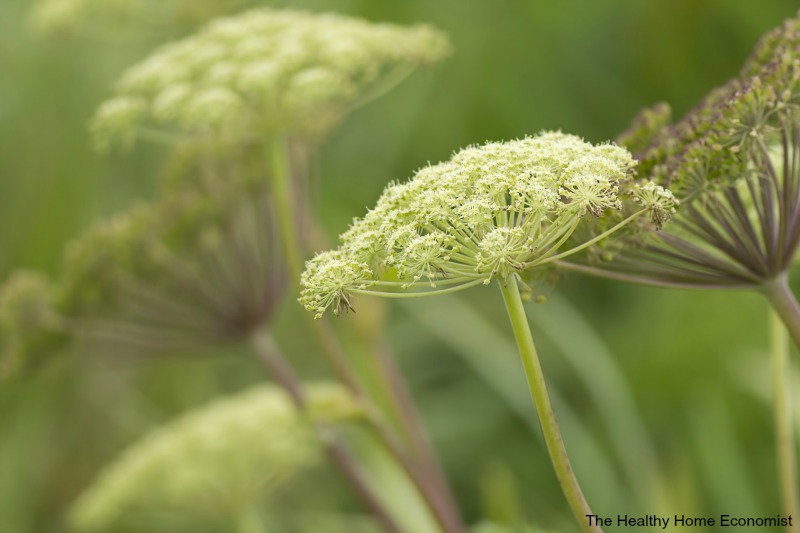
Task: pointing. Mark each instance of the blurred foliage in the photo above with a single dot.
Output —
(519, 66)
(213, 466)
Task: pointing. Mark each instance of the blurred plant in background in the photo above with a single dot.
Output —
(493, 87)
(214, 465)
(198, 266)
(734, 162)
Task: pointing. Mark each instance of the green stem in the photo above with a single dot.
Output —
(435, 496)
(784, 303)
(399, 395)
(400, 295)
(547, 418)
(269, 353)
(785, 316)
(383, 86)
(784, 431)
(643, 280)
(598, 238)
(284, 204)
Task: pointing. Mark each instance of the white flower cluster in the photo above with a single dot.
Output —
(488, 212)
(214, 460)
(264, 71)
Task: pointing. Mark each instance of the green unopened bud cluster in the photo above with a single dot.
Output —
(728, 135)
(212, 462)
(263, 71)
(489, 211)
(732, 162)
(191, 270)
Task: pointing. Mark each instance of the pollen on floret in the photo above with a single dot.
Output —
(659, 202)
(328, 281)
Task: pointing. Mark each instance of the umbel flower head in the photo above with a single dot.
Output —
(733, 163)
(211, 463)
(262, 72)
(489, 212)
(196, 268)
(112, 19)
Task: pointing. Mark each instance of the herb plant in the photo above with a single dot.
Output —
(734, 164)
(492, 212)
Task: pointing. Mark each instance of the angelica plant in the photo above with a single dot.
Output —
(278, 79)
(262, 73)
(192, 270)
(734, 164)
(491, 213)
(268, 86)
(731, 162)
(214, 464)
(196, 269)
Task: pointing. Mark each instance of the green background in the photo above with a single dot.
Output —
(685, 365)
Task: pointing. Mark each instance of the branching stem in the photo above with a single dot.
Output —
(434, 494)
(785, 304)
(269, 353)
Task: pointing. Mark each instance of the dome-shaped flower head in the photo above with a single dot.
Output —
(212, 463)
(489, 212)
(732, 163)
(262, 72)
(113, 19)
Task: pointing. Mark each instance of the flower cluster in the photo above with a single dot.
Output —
(262, 72)
(726, 129)
(732, 162)
(213, 461)
(488, 212)
(197, 267)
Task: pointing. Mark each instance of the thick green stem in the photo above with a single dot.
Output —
(785, 316)
(547, 418)
(784, 303)
(784, 430)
